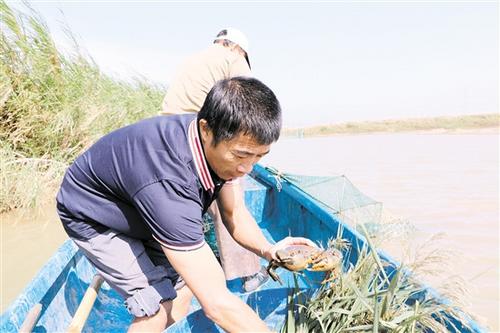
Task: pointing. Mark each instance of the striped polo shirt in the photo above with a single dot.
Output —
(147, 180)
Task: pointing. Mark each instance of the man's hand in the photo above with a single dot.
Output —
(204, 276)
(285, 242)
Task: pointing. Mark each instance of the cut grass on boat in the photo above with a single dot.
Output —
(370, 296)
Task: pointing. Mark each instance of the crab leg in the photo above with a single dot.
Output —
(271, 271)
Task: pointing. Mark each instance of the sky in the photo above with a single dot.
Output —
(327, 61)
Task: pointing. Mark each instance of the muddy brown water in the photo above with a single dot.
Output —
(28, 239)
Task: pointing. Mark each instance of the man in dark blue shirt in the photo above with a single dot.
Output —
(137, 196)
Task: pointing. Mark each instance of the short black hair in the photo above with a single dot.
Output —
(242, 105)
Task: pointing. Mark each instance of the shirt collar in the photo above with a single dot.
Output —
(199, 157)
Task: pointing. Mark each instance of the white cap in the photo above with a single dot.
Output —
(235, 36)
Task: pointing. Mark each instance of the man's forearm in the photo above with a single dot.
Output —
(247, 233)
(205, 278)
(236, 316)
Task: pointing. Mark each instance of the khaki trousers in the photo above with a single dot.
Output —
(236, 261)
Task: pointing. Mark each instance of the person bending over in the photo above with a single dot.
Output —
(134, 201)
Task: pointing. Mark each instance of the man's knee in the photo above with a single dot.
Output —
(166, 308)
(146, 302)
(154, 323)
(181, 304)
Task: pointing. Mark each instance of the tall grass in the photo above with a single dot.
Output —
(53, 105)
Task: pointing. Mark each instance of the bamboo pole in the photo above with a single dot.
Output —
(85, 306)
(31, 319)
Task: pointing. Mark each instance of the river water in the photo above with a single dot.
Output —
(439, 182)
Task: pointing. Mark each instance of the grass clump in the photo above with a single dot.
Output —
(53, 105)
(372, 296)
(27, 181)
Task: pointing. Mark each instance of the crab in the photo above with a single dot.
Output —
(304, 257)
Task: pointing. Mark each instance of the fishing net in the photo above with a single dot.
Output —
(344, 200)
(340, 196)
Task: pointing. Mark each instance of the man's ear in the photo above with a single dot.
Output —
(205, 131)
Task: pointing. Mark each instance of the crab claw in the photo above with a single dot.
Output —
(275, 277)
(270, 270)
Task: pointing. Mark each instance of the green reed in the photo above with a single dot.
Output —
(53, 105)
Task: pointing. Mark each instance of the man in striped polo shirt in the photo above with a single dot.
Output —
(133, 203)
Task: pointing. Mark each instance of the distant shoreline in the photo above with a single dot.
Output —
(485, 123)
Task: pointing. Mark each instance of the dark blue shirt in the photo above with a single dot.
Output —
(149, 179)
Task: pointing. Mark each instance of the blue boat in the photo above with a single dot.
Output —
(281, 209)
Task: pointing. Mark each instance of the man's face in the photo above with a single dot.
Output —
(233, 158)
